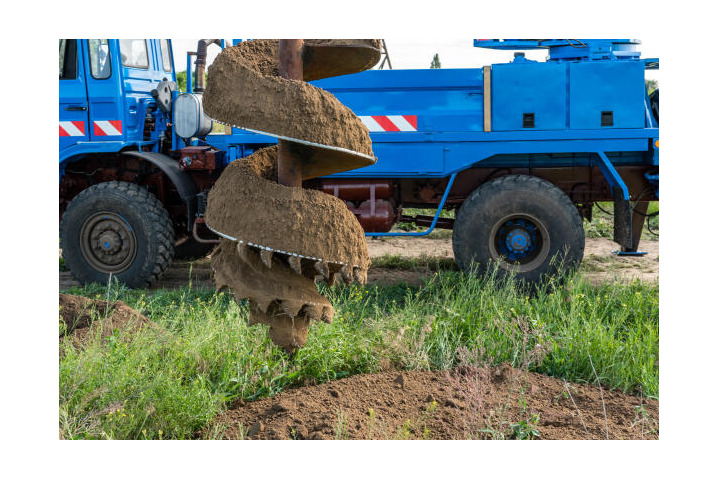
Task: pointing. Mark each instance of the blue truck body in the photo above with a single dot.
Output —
(584, 111)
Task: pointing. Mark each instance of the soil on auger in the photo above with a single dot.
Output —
(243, 90)
(285, 237)
(247, 203)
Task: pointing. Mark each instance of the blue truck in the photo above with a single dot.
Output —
(521, 150)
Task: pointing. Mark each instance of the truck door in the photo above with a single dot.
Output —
(103, 89)
(73, 95)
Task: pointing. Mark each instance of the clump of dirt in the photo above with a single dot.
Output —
(467, 402)
(82, 317)
(243, 90)
(247, 203)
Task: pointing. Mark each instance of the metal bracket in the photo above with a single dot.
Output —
(622, 221)
(433, 223)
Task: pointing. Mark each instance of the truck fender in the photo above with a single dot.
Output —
(170, 167)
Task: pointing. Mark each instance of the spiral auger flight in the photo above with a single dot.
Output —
(278, 238)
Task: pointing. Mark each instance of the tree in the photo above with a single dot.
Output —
(651, 85)
(182, 80)
(435, 63)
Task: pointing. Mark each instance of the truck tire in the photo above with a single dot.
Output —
(524, 224)
(117, 228)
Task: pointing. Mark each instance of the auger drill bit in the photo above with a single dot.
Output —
(278, 238)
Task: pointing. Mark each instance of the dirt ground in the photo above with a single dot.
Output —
(599, 264)
(467, 402)
(83, 318)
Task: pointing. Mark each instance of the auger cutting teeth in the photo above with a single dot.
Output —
(295, 263)
(359, 275)
(346, 274)
(322, 268)
(243, 250)
(266, 256)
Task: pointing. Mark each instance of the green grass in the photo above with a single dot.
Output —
(169, 383)
(412, 227)
(412, 263)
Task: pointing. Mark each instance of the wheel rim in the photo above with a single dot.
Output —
(108, 243)
(519, 243)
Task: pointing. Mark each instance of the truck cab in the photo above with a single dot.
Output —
(123, 198)
(105, 93)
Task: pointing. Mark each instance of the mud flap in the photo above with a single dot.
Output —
(622, 214)
(622, 222)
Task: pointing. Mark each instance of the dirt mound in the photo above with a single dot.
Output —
(468, 402)
(81, 318)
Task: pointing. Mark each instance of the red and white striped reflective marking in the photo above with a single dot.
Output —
(107, 127)
(390, 123)
(72, 129)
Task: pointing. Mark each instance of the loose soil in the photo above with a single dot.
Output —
(470, 403)
(467, 402)
(83, 317)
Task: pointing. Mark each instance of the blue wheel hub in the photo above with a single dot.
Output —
(517, 239)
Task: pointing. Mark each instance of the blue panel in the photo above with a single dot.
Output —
(403, 160)
(443, 100)
(519, 88)
(616, 87)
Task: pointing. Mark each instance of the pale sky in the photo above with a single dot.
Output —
(418, 53)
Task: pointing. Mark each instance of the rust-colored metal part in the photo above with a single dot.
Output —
(427, 220)
(197, 158)
(368, 200)
(291, 66)
(375, 215)
(357, 190)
